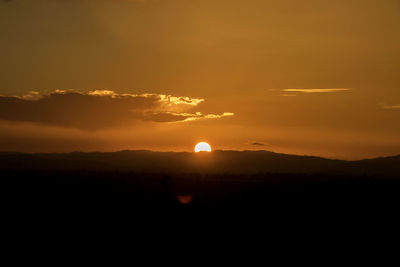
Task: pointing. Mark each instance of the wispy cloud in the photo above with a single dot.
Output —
(255, 143)
(168, 100)
(309, 91)
(200, 116)
(392, 107)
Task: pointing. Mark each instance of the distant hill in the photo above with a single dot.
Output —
(223, 162)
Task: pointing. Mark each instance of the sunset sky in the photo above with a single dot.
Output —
(313, 77)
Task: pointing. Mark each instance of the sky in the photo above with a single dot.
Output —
(309, 77)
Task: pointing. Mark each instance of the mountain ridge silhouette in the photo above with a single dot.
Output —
(219, 161)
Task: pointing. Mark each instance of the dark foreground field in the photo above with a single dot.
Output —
(80, 193)
(69, 187)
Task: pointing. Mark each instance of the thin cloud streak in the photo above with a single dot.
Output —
(199, 116)
(392, 107)
(309, 91)
(257, 143)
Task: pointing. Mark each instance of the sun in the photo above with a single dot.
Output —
(202, 146)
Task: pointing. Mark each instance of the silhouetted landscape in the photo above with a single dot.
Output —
(217, 162)
(258, 182)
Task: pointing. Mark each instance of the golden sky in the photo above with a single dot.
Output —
(306, 77)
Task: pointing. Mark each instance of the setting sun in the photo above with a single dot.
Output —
(203, 146)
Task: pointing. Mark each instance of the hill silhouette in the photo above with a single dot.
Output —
(217, 162)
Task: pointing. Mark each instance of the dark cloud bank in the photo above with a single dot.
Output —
(99, 109)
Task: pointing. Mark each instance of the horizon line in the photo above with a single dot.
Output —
(192, 152)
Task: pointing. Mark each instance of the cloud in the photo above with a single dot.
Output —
(392, 107)
(256, 143)
(199, 116)
(100, 109)
(327, 90)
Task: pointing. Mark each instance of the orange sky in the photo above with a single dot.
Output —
(315, 77)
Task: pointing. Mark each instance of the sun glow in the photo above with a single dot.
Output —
(203, 146)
